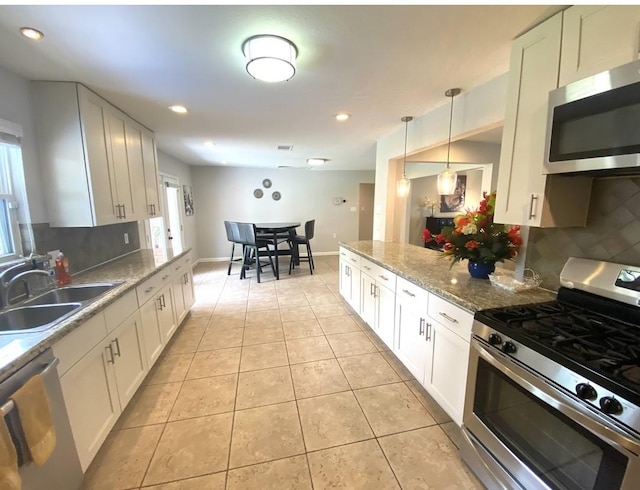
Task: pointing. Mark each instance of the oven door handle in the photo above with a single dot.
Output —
(591, 420)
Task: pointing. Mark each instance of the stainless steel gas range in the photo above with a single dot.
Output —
(553, 393)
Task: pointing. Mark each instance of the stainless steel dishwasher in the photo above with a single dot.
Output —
(62, 471)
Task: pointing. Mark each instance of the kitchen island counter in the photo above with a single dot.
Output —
(431, 270)
(16, 349)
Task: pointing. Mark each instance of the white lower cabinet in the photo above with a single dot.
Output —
(411, 313)
(153, 343)
(183, 296)
(350, 278)
(166, 316)
(99, 386)
(378, 300)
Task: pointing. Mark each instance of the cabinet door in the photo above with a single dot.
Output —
(136, 171)
(166, 314)
(368, 293)
(446, 373)
(91, 397)
(345, 281)
(385, 315)
(98, 155)
(117, 142)
(151, 331)
(596, 38)
(187, 290)
(178, 299)
(130, 364)
(150, 165)
(535, 59)
(411, 346)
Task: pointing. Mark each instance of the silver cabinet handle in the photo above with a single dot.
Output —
(149, 289)
(383, 277)
(409, 293)
(111, 359)
(117, 353)
(421, 329)
(178, 267)
(532, 206)
(124, 211)
(165, 276)
(159, 301)
(428, 336)
(372, 290)
(164, 304)
(450, 318)
(366, 267)
(186, 278)
(353, 260)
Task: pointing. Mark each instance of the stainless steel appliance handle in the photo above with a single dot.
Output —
(10, 405)
(590, 419)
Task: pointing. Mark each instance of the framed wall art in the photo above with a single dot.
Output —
(188, 200)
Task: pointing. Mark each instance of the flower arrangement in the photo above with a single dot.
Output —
(476, 237)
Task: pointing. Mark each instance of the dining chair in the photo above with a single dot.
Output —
(231, 227)
(297, 240)
(252, 246)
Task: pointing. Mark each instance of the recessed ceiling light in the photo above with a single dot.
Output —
(316, 162)
(180, 109)
(31, 33)
(209, 144)
(343, 116)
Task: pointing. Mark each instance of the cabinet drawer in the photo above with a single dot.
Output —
(120, 310)
(349, 257)
(381, 275)
(412, 295)
(155, 283)
(451, 316)
(71, 348)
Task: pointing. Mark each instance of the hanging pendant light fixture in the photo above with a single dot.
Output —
(447, 178)
(404, 184)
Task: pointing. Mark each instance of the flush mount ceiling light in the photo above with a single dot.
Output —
(316, 162)
(31, 33)
(343, 116)
(447, 178)
(404, 184)
(180, 109)
(270, 58)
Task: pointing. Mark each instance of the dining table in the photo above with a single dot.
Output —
(275, 231)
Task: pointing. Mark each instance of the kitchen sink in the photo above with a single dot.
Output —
(35, 317)
(79, 293)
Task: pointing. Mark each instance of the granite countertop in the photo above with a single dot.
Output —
(430, 270)
(18, 348)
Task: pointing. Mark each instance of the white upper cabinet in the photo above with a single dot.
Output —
(93, 157)
(525, 196)
(596, 38)
(150, 165)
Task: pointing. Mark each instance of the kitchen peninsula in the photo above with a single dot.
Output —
(422, 309)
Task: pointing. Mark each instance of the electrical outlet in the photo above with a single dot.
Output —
(126, 238)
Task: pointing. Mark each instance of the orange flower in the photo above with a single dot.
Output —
(471, 244)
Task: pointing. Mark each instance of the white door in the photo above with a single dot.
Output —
(166, 231)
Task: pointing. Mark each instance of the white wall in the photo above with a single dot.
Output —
(479, 109)
(169, 165)
(15, 106)
(222, 193)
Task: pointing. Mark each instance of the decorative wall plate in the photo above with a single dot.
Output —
(258, 193)
(266, 183)
(276, 196)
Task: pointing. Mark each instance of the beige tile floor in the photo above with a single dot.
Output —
(279, 385)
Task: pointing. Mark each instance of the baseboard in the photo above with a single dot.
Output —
(226, 259)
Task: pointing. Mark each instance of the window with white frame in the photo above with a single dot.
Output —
(10, 162)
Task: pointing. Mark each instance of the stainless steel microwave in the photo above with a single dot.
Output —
(593, 124)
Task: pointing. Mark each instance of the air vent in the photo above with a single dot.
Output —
(285, 147)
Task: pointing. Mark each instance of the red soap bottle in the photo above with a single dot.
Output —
(62, 270)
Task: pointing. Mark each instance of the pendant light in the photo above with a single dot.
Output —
(447, 178)
(404, 184)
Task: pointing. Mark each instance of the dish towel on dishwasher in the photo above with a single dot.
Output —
(33, 407)
(9, 476)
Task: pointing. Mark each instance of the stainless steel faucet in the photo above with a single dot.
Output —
(22, 276)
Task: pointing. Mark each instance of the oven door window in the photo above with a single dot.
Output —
(559, 451)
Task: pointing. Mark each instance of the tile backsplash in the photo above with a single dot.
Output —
(85, 247)
(612, 232)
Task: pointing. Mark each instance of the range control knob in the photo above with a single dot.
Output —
(494, 339)
(586, 391)
(509, 347)
(610, 405)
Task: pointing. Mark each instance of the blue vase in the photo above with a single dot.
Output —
(481, 270)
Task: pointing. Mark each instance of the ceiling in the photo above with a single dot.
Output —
(377, 63)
